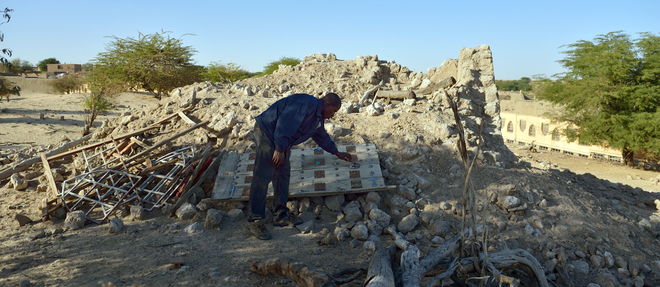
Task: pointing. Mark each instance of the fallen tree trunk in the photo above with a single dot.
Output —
(395, 95)
(410, 267)
(21, 166)
(380, 270)
(440, 253)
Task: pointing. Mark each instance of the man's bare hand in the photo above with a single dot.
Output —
(278, 158)
(343, 155)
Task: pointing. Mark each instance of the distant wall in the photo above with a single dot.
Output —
(525, 129)
(32, 85)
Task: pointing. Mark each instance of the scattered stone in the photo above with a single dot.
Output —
(369, 245)
(352, 211)
(408, 223)
(18, 181)
(580, 266)
(307, 226)
(153, 226)
(374, 228)
(115, 226)
(224, 125)
(203, 206)
(137, 212)
(213, 218)
(236, 214)
(186, 211)
(360, 232)
(334, 130)
(354, 243)
(441, 227)
(24, 283)
(334, 202)
(341, 233)
(381, 217)
(597, 261)
(406, 192)
(193, 228)
(373, 197)
(74, 220)
(606, 279)
(304, 205)
(293, 206)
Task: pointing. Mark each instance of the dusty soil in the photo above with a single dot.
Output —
(583, 209)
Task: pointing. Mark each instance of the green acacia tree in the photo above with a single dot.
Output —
(610, 95)
(272, 66)
(230, 72)
(43, 64)
(6, 16)
(156, 63)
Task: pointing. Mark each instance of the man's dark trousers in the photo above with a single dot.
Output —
(264, 172)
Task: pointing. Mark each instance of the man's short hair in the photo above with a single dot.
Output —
(333, 99)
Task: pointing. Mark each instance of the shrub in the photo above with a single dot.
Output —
(231, 72)
(272, 66)
(7, 88)
(67, 84)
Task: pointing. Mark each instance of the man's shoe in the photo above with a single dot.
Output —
(259, 230)
(287, 220)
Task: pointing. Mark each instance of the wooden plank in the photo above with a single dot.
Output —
(48, 173)
(225, 177)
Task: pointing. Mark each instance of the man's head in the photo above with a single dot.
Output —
(331, 104)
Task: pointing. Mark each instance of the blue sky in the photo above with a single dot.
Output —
(524, 36)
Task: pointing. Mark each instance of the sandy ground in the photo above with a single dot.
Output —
(63, 117)
(612, 171)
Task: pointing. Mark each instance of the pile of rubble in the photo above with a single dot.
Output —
(580, 229)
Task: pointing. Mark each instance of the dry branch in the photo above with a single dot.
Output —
(369, 92)
(507, 259)
(441, 252)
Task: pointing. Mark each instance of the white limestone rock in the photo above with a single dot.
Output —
(225, 124)
(186, 211)
(18, 181)
(360, 232)
(352, 212)
(74, 220)
(408, 223)
(381, 217)
(334, 202)
(334, 130)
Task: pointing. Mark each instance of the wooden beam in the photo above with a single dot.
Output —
(48, 173)
(140, 131)
(157, 145)
(186, 119)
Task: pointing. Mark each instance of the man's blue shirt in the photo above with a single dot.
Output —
(293, 120)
